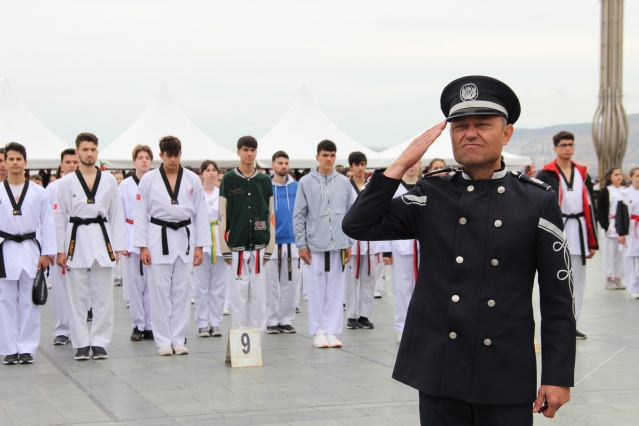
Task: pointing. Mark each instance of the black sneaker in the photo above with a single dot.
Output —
(82, 353)
(363, 322)
(148, 335)
(286, 329)
(10, 359)
(580, 335)
(272, 329)
(99, 352)
(90, 314)
(352, 324)
(136, 335)
(25, 359)
(61, 340)
(297, 310)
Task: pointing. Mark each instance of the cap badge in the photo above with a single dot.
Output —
(468, 92)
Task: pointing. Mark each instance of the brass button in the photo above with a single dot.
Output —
(462, 221)
(491, 303)
(459, 259)
(501, 189)
(455, 298)
(470, 188)
(452, 335)
(498, 223)
(494, 262)
(487, 342)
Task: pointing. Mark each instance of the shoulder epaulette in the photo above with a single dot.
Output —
(445, 170)
(534, 181)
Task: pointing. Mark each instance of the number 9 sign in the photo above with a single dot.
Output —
(244, 347)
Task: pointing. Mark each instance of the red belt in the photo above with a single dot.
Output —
(636, 219)
(129, 221)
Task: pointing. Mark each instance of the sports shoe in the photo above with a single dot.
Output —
(117, 282)
(226, 311)
(272, 329)
(333, 342)
(165, 351)
(286, 329)
(611, 285)
(61, 340)
(180, 350)
(377, 295)
(82, 354)
(580, 335)
(203, 332)
(399, 338)
(634, 296)
(620, 285)
(99, 352)
(148, 335)
(363, 322)
(90, 314)
(320, 341)
(297, 310)
(215, 332)
(25, 359)
(352, 324)
(192, 300)
(10, 359)
(136, 335)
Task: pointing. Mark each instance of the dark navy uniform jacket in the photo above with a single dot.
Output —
(470, 327)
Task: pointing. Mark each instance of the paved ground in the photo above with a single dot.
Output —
(297, 385)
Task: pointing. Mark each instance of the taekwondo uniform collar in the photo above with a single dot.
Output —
(497, 174)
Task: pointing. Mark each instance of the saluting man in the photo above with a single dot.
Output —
(90, 235)
(468, 344)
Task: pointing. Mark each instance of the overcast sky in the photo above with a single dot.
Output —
(376, 68)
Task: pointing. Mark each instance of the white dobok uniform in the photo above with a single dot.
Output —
(90, 258)
(212, 276)
(19, 317)
(283, 278)
(613, 257)
(135, 273)
(630, 197)
(170, 274)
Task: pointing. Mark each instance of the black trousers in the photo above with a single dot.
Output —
(441, 411)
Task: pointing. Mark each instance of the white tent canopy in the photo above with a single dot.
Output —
(442, 148)
(299, 131)
(163, 118)
(18, 124)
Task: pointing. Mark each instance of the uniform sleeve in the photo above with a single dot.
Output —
(268, 251)
(48, 245)
(622, 218)
(141, 216)
(555, 297)
(116, 218)
(61, 217)
(376, 215)
(201, 218)
(300, 214)
(222, 223)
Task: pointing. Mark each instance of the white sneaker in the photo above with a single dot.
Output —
(226, 311)
(180, 350)
(165, 351)
(306, 297)
(333, 342)
(399, 338)
(634, 296)
(320, 341)
(377, 294)
(203, 332)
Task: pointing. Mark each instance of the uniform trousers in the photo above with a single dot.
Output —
(440, 411)
(403, 278)
(60, 300)
(325, 291)
(170, 291)
(19, 317)
(210, 286)
(631, 265)
(613, 259)
(579, 282)
(90, 288)
(283, 294)
(378, 266)
(360, 291)
(139, 292)
(248, 289)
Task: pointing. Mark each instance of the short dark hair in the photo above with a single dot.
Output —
(357, 158)
(206, 164)
(562, 135)
(171, 146)
(326, 145)
(15, 146)
(142, 148)
(1, 150)
(68, 151)
(85, 137)
(36, 178)
(248, 141)
(279, 154)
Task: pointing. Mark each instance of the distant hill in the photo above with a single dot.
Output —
(537, 144)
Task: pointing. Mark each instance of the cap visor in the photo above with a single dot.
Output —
(474, 111)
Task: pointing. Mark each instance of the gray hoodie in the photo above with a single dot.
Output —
(320, 205)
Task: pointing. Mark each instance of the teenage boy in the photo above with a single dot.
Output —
(135, 272)
(246, 214)
(27, 242)
(283, 276)
(60, 293)
(170, 228)
(90, 235)
(323, 198)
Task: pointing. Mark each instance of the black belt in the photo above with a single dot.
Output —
(327, 260)
(288, 260)
(581, 233)
(17, 239)
(175, 226)
(78, 221)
